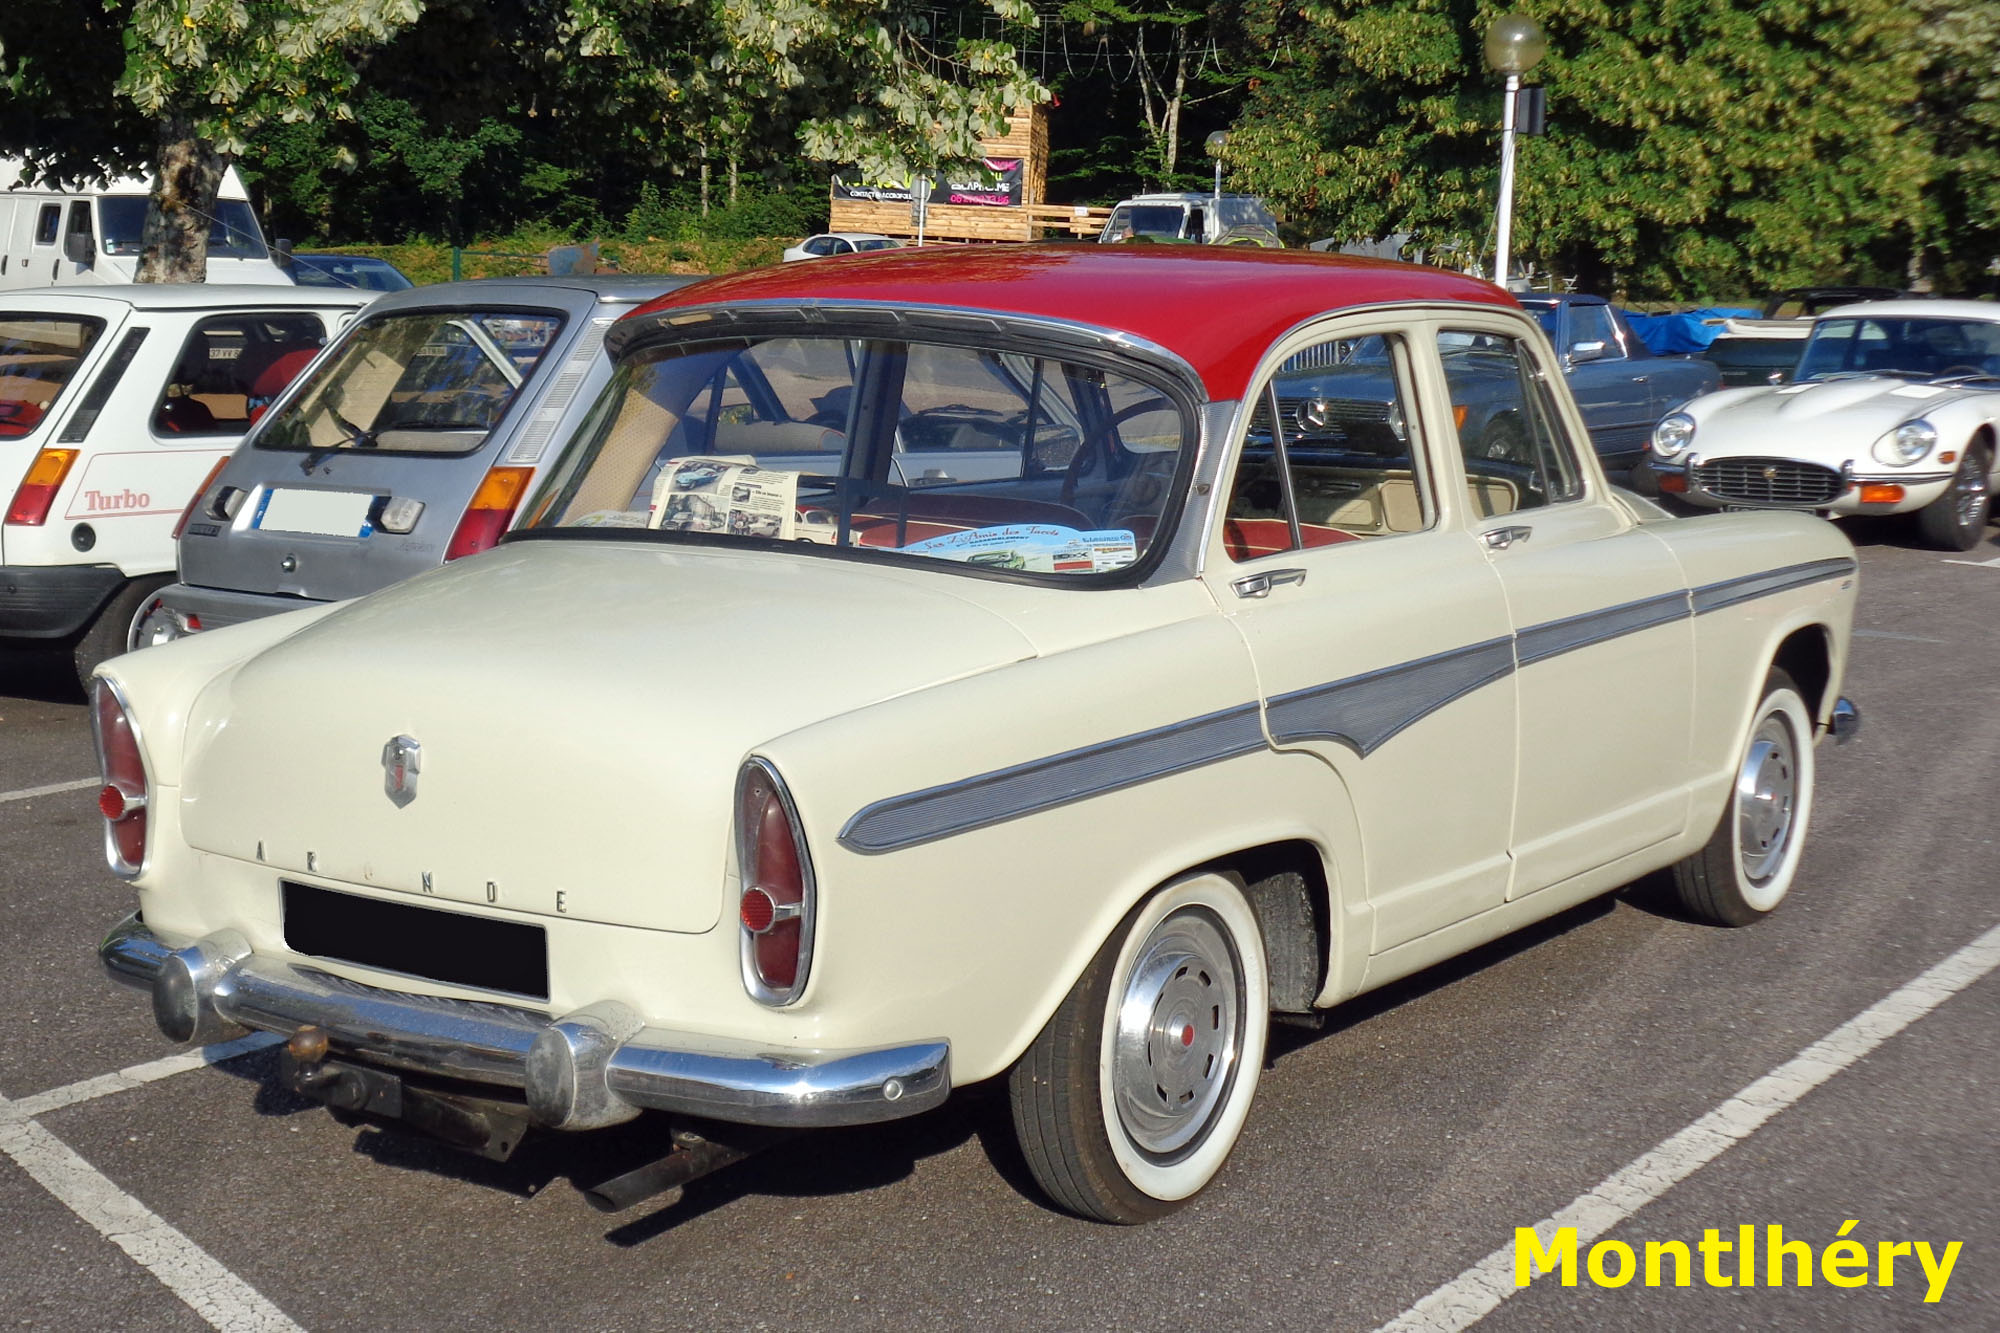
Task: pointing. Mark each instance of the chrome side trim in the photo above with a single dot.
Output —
(1364, 712)
(1361, 712)
(579, 1071)
(1043, 784)
(1555, 637)
(1731, 592)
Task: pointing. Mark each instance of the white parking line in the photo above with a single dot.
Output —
(1478, 1291)
(1976, 564)
(53, 789)
(190, 1272)
(135, 1076)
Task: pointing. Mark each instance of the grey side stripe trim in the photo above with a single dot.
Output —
(1043, 784)
(1555, 637)
(1363, 712)
(1729, 592)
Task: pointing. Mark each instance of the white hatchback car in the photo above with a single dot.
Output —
(115, 402)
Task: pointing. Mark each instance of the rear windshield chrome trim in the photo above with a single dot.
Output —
(910, 322)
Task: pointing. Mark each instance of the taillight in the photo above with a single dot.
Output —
(122, 800)
(194, 500)
(491, 510)
(37, 492)
(776, 909)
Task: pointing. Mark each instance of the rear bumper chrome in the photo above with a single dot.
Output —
(595, 1067)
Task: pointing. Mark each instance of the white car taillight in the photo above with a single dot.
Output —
(776, 909)
(122, 800)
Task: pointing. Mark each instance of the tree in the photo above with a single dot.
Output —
(1959, 42)
(1178, 59)
(1693, 148)
(209, 73)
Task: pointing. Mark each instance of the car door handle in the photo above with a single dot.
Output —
(1499, 539)
(1260, 584)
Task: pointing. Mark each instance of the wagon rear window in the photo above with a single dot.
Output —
(433, 381)
(39, 356)
(983, 458)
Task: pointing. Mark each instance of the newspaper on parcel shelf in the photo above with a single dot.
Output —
(1044, 547)
(732, 495)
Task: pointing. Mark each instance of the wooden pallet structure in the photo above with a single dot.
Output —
(1033, 219)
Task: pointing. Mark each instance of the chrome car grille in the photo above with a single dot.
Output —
(1338, 417)
(1780, 481)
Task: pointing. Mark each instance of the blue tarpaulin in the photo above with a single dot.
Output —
(1688, 332)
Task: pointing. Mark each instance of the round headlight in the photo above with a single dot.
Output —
(1673, 434)
(1907, 443)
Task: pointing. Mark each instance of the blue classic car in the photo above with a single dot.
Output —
(1621, 388)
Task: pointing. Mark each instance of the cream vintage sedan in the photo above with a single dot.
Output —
(942, 667)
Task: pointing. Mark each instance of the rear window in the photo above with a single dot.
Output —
(428, 381)
(979, 458)
(39, 356)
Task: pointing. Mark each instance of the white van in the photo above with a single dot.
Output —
(1206, 219)
(115, 404)
(89, 233)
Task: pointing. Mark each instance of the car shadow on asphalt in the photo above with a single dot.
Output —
(45, 675)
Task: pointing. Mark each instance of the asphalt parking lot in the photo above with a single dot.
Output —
(1388, 1157)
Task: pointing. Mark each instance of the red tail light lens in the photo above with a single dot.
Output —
(194, 500)
(37, 492)
(777, 904)
(122, 801)
(491, 510)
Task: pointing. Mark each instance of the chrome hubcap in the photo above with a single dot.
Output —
(1970, 485)
(1179, 1031)
(1766, 801)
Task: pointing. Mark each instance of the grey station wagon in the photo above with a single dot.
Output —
(410, 442)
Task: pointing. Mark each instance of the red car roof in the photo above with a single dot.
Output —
(1218, 308)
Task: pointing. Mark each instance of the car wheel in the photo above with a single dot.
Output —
(106, 636)
(1956, 520)
(1747, 866)
(1130, 1099)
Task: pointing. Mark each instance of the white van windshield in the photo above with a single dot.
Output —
(232, 231)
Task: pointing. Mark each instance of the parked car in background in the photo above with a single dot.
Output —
(829, 243)
(413, 443)
(1206, 219)
(1757, 351)
(114, 401)
(1894, 411)
(88, 233)
(810, 802)
(1621, 387)
(309, 269)
(1805, 302)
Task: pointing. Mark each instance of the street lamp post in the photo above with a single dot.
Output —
(1215, 143)
(1514, 45)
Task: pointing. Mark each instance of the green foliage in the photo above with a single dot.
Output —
(1690, 144)
(231, 66)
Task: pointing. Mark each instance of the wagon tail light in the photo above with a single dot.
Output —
(491, 510)
(776, 910)
(123, 798)
(37, 492)
(194, 501)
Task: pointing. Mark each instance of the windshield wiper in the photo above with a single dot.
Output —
(357, 438)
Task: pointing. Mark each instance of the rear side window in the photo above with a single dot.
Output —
(48, 224)
(230, 368)
(428, 381)
(39, 356)
(1517, 455)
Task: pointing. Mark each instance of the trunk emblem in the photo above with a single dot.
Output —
(401, 758)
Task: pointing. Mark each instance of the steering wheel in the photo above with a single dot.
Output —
(1078, 461)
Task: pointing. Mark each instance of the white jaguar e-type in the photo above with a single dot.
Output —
(1892, 411)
